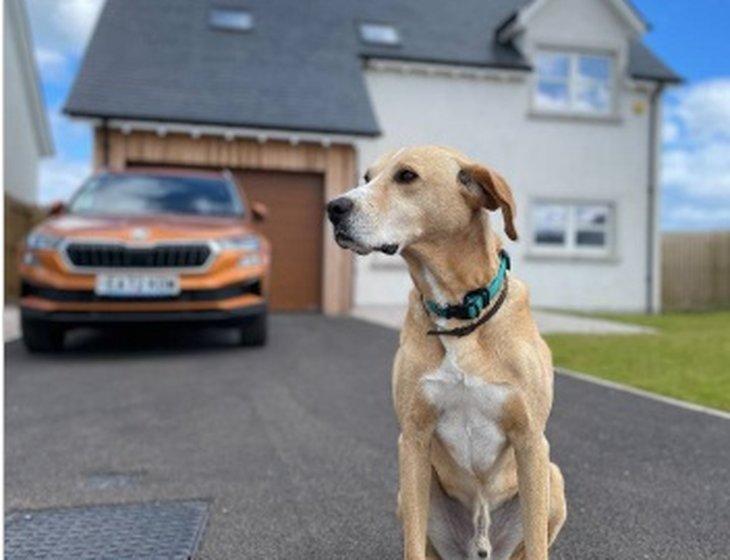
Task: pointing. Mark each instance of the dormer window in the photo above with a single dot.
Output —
(230, 19)
(379, 34)
(572, 82)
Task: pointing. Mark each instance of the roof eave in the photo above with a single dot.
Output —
(521, 67)
(670, 80)
(93, 115)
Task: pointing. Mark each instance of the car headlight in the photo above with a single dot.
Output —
(37, 240)
(254, 259)
(248, 243)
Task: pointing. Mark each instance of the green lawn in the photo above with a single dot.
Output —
(688, 359)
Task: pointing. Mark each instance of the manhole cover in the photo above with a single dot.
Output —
(144, 531)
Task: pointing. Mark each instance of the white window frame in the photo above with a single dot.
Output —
(572, 81)
(570, 247)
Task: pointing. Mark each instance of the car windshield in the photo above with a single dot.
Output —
(157, 194)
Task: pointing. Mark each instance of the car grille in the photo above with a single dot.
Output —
(96, 255)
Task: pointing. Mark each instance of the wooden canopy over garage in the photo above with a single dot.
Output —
(309, 271)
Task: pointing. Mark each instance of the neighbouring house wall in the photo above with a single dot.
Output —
(21, 150)
(573, 159)
(336, 162)
(26, 137)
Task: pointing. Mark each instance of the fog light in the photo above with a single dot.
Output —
(30, 259)
(252, 259)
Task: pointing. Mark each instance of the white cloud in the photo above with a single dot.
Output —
(63, 26)
(52, 64)
(703, 172)
(696, 158)
(64, 128)
(670, 131)
(704, 108)
(689, 216)
(62, 174)
(59, 178)
(48, 58)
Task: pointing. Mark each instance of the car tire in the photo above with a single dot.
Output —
(255, 331)
(42, 336)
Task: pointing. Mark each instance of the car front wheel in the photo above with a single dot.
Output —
(254, 332)
(42, 336)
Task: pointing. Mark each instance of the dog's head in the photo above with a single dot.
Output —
(417, 194)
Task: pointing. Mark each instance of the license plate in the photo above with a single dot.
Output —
(136, 285)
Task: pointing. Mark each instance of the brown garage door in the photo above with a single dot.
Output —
(294, 227)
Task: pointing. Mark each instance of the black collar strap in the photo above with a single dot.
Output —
(468, 329)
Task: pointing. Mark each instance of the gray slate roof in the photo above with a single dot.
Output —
(299, 68)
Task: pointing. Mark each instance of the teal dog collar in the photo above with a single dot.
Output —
(477, 300)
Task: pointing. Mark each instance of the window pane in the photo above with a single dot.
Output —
(592, 225)
(235, 20)
(550, 224)
(552, 95)
(546, 237)
(553, 65)
(596, 67)
(592, 215)
(590, 238)
(593, 96)
(379, 33)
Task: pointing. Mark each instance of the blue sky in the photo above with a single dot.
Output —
(691, 35)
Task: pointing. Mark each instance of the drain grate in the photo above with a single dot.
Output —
(143, 531)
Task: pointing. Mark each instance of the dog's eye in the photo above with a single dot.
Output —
(405, 176)
(366, 177)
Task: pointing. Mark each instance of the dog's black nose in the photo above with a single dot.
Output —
(339, 208)
(483, 553)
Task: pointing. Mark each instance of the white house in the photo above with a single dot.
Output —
(577, 138)
(26, 130)
(560, 96)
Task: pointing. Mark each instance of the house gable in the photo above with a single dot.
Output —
(523, 18)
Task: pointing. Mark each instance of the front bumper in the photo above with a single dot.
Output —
(225, 293)
(222, 317)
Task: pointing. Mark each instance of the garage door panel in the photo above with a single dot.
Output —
(294, 227)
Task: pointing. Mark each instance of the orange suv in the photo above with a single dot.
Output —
(154, 245)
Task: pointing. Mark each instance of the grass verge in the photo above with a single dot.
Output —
(688, 358)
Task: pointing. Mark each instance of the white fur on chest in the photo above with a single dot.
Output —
(469, 414)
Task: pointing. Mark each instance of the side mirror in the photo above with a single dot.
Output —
(57, 208)
(260, 211)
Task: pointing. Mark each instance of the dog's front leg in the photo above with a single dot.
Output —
(415, 487)
(414, 466)
(532, 457)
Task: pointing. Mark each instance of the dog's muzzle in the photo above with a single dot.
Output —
(339, 212)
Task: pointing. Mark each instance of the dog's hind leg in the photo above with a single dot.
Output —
(450, 525)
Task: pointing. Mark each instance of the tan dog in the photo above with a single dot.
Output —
(475, 473)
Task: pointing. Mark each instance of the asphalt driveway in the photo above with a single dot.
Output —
(295, 445)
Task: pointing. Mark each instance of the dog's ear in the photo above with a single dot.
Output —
(494, 193)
